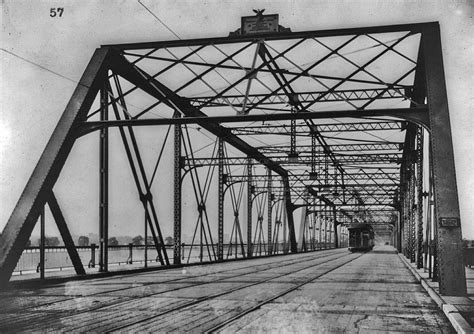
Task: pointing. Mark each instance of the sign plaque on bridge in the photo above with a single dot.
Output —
(450, 222)
(259, 24)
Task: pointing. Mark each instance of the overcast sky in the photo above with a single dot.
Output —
(42, 57)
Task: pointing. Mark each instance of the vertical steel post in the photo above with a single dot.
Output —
(413, 212)
(419, 187)
(249, 207)
(399, 232)
(220, 214)
(177, 193)
(406, 217)
(302, 240)
(92, 260)
(409, 214)
(146, 244)
(403, 222)
(320, 229)
(452, 278)
(104, 184)
(269, 212)
(430, 227)
(42, 242)
(313, 232)
(289, 213)
(325, 228)
(313, 155)
(336, 241)
(434, 226)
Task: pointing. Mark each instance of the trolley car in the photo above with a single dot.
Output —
(361, 237)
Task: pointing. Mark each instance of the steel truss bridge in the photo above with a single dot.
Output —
(276, 136)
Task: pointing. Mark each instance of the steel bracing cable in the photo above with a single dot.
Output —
(201, 194)
(236, 201)
(218, 73)
(331, 57)
(259, 236)
(143, 196)
(367, 72)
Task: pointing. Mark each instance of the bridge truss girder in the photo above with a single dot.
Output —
(373, 158)
(367, 179)
(302, 129)
(279, 99)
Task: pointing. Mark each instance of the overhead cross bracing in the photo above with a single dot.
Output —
(341, 95)
(306, 159)
(301, 129)
(353, 105)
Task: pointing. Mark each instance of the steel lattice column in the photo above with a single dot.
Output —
(452, 278)
(220, 213)
(249, 207)
(177, 193)
(399, 234)
(404, 221)
(325, 228)
(413, 215)
(419, 187)
(320, 228)
(269, 211)
(336, 242)
(104, 184)
(407, 215)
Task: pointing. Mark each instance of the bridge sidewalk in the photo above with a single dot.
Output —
(459, 310)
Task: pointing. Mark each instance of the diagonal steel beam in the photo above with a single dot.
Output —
(161, 92)
(65, 234)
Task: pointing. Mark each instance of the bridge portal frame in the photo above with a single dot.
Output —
(433, 115)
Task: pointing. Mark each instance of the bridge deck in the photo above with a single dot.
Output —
(330, 290)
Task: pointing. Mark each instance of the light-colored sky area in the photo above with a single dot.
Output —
(33, 98)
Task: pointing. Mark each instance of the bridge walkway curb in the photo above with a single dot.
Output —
(451, 306)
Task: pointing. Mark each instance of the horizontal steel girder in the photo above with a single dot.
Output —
(323, 185)
(303, 129)
(281, 98)
(331, 193)
(419, 115)
(334, 148)
(346, 197)
(414, 28)
(378, 176)
(302, 159)
(362, 189)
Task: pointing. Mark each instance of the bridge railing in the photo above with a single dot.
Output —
(57, 258)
